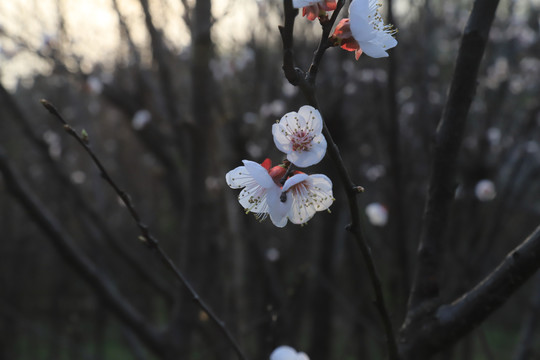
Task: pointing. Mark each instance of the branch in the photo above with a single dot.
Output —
(146, 236)
(72, 255)
(307, 85)
(451, 322)
(87, 211)
(448, 139)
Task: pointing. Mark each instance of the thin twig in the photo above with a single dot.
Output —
(307, 86)
(146, 236)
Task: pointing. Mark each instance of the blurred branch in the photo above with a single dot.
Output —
(164, 71)
(72, 255)
(146, 236)
(85, 210)
(448, 139)
(307, 85)
(452, 321)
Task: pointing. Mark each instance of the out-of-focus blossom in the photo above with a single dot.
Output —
(485, 190)
(141, 119)
(377, 214)
(315, 9)
(368, 30)
(287, 353)
(299, 136)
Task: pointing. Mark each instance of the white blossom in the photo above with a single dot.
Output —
(287, 353)
(259, 189)
(485, 190)
(377, 214)
(369, 30)
(304, 195)
(299, 135)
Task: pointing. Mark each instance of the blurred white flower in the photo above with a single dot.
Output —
(94, 84)
(485, 190)
(140, 119)
(377, 214)
(287, 353)
(272, 254)
(78, 177)
(299, 135)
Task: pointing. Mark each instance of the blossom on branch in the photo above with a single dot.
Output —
(263, 194)
(261, 185)
(304, 195)
(364, 31)
(315, 9)
(299, 135)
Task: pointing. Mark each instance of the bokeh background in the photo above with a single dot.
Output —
(175, 93)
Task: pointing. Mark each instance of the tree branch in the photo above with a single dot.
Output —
(72, 255)
(146, 236)
(451, 322)
(307, 85)
(448, 139)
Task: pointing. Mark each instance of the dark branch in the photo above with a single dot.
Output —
(146, 236)
(447, 143)
(307, 85)
(451, 322)
(74, 257)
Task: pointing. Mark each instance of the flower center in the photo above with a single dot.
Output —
(301, 140)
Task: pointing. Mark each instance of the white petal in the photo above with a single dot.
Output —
(321, 187)
(305, 158)
(237, 178)
(259, 173)
(302, 356)
(373, 49)
(359, 9)
(253, 199)
(362, 29)
(293, 180)
(278, 209)
(280, 139)
(313, 118)
(310, 196)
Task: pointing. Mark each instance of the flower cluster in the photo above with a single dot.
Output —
(363, 32)
(277, 191)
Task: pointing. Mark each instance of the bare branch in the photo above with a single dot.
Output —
(103, 286)
(451, 322)
(447, 143)
(307, 85)
(146, 236)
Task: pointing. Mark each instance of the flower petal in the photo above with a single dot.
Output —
(253, 199)
(238, 178)
(280, 138)
(373, 49)
(293, 180)
(259, 173)
(313, 118)
(278, 209)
